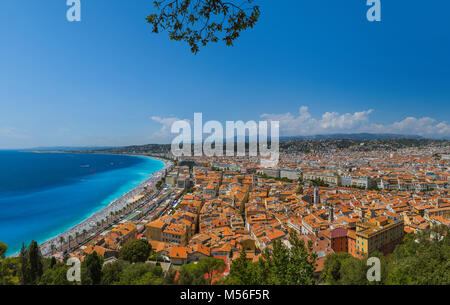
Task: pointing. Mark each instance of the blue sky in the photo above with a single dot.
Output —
(317, 66)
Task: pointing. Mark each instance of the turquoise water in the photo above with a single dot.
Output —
(44, 194)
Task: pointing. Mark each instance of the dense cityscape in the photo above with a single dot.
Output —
(207, 220)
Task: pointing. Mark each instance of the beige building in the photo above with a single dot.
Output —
(327, 177)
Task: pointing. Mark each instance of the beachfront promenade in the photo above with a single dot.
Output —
(102, 219)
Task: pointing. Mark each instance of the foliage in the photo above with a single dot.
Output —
(159, 184)
(353, 272)
(136, 251)
(31, 267)
(202, 272)
(294, 266)
(121, 272)
(56, 275)
(199, 22)
(422, 259)
(156, 257)
(279, 266)
(112, 271)
(319, 182)
(191, 274)
(342, 268)
(9, 271)
(170, 277)
(91, 269)
(210, 266)
(35, 261)
(244, 272)
(141, 274)
(3, 248)
(52, 261)
(331, 272)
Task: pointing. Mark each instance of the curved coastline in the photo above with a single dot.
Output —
(89, 223)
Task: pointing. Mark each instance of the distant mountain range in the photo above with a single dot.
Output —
(353, 136)
(350, 136)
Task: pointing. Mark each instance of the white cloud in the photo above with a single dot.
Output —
(303, 123)
(163, 135)
(333, 122)
(330, 122)
(422, 126)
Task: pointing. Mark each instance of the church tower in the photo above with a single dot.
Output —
(316, 196)
(331, 217)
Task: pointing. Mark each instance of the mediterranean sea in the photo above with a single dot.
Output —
(45, 194)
